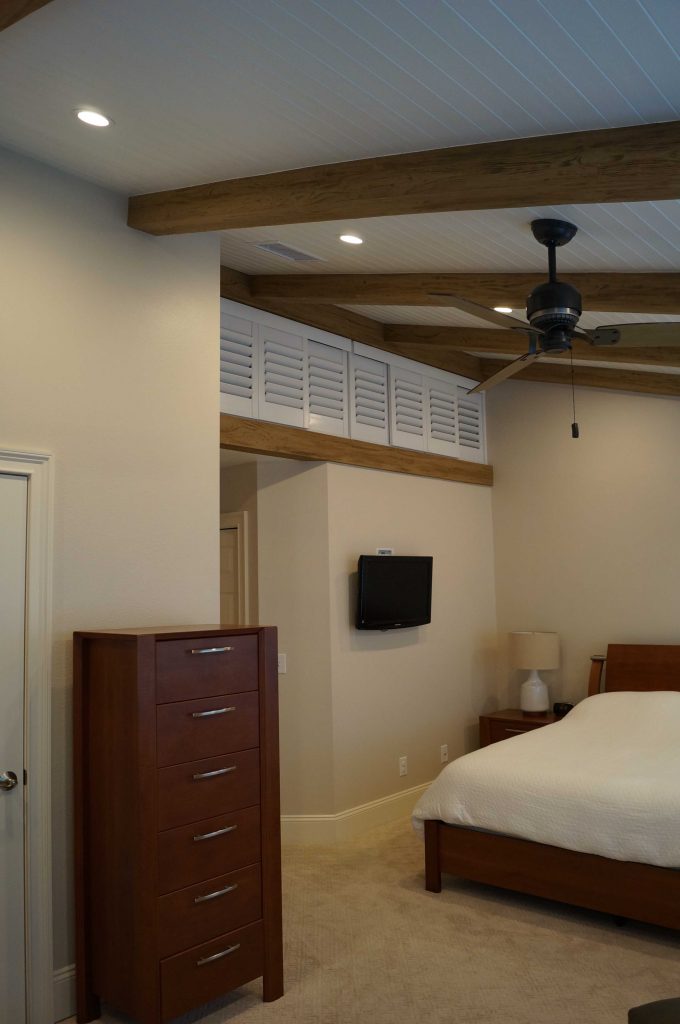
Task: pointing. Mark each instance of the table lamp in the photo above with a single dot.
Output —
(534, 651)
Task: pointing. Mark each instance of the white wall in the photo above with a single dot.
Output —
(587, 531)
(109, 361)
(408, 691)
(292, 514)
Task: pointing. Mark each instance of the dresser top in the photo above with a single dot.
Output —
(171, 632)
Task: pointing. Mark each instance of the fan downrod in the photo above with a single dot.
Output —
(553, 232)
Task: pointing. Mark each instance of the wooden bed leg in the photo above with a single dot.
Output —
(433, 874)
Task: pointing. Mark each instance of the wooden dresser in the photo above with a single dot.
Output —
(178, 865)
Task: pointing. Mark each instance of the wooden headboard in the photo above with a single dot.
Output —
(637, 667)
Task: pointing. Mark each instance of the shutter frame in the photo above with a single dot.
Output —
(407, 409)
(369, 399)
(326, 408)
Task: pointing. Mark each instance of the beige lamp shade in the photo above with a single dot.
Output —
(535, 650)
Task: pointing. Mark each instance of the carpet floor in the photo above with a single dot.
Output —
(365, 944)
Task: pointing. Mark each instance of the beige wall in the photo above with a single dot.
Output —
(587, 531)
(294, 595)
(109, 361)
(238, 493)
(408, 691)
(353, 702)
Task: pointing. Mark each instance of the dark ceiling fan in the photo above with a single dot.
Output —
(553, 311)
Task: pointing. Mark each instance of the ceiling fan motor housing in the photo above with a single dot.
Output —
(554, 307)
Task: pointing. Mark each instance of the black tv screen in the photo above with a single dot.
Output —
(394, 591)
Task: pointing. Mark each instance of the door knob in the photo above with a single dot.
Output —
(8, 780)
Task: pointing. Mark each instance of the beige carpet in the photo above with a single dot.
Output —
(366, 944)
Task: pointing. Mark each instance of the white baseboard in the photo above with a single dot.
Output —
(65, 992)
(330, 828)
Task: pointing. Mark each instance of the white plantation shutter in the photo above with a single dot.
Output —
(327, 389)
(282, 377)
(442, 399)
(368, 400)
(237, 366)
(471, 426)
(407, 409)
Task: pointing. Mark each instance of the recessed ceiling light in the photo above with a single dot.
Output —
(94, 118)
(503, 309)
(352, 239)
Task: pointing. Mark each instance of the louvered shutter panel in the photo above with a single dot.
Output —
(368, 400)
(238, 393)
(327, 389)
(407, 409)
(442, 407)
(471, 426)
(282, 377)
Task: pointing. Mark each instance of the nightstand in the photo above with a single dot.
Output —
(501, 725)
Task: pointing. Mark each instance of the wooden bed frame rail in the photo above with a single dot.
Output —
(642, 892)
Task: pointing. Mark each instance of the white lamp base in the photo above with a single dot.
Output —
(533, 694)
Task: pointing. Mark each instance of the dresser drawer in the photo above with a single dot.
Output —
(191, 729)
(504, 730)
(209, 909)
(201, 789)
(193, 978)
(205, 666)
(208, 848)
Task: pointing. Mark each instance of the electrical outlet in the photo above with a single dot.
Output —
(403, 765)
(444, 753)
(384, 551)
(282, 665)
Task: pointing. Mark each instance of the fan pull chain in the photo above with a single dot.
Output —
(574, 426)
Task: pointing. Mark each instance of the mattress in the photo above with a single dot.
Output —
(603, 780)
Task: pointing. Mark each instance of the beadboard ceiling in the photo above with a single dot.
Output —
(214, 89)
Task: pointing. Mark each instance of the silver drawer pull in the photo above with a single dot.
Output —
(507, 730)
(218, 956)
(210, 650)
(209, 714)
(214, 895)
(213, 835)
(218, 771)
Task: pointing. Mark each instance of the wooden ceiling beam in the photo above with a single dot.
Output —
(263, 438)
(430, 343)
(611, 165)
(639, 293)
(549, 372)
(237, 286)
(12, 11)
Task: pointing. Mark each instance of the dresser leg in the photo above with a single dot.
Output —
(89, 1008)
(272, 985)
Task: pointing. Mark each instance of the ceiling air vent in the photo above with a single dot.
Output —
(286, 252)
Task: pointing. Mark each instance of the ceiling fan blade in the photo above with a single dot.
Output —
(658, 335)
(508, 371)
(484, 313)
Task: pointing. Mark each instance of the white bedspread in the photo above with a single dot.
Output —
(604, 780)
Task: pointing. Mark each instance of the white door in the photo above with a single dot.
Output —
(13, 523)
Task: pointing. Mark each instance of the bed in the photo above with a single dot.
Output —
(634, 871)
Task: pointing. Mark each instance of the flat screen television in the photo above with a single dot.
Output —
(394, 591)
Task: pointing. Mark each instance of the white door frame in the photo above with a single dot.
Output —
(239, 521)
(37, 468)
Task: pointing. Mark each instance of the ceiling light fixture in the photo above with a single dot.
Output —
(503, 309)
(93, 118)
(352, 239)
